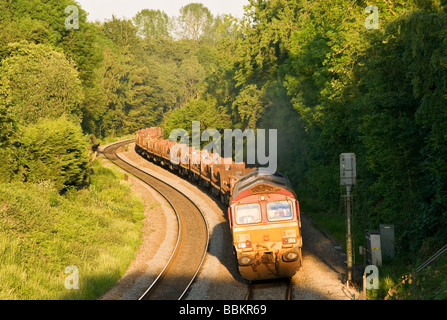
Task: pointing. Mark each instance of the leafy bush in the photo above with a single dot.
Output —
(54, 150)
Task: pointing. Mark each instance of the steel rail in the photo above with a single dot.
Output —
(431, 259)
(144, 176)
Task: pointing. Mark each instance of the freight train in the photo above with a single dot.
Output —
(263, 211)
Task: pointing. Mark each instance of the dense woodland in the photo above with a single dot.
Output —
(310, 69)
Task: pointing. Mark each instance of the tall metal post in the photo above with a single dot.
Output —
(347, 178)
(348, 232)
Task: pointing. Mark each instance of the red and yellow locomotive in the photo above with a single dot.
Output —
(264, 218)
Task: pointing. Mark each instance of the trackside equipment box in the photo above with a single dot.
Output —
(387, 240)
(373, 247)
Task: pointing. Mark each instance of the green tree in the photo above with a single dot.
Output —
(39, 82)
(122, 32)
(249, 106)
(114, 75)
(205, 110)
(192, 74)
(54, 150)
(195, 20)
(402, 81)
(7, 130)
(153, 24)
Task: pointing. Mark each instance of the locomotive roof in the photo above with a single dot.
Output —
(277, 179)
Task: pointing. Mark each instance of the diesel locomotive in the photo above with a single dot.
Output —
(263, 210)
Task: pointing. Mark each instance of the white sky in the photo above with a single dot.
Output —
(103, 9)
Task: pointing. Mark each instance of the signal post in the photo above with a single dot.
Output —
(347, 178)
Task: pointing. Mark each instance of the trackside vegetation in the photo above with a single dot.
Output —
(97, 229)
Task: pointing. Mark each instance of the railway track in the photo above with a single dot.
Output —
(277, 290)
(192, 241)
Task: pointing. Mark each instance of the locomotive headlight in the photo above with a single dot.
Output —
(245, 261)
(292, 256)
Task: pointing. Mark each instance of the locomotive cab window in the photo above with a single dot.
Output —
(248, 213)
(279, 210)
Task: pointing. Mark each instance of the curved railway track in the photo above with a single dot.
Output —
(193, 235)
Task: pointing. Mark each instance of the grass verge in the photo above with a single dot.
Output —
(97, 229)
